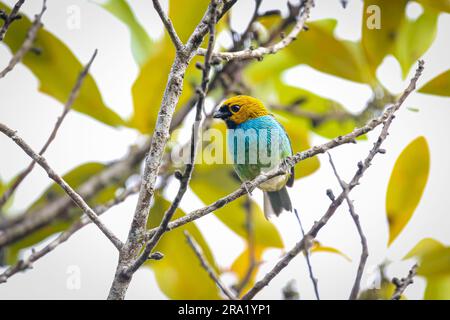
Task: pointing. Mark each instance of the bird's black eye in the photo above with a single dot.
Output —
(235, 108)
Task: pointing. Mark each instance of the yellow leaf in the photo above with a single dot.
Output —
(378, 42)
(320, 49)
(438, 288)
(424, 247)
(318, 247)
(415, 38)
(57, 69)
(439, 86)
(74, 178)
(441, 5)
(406, 185)
(179, 274)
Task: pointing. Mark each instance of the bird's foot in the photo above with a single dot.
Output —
(248, 185)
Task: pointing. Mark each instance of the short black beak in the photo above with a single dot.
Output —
(222, 114)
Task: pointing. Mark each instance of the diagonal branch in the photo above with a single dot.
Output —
(169, 26)
(308, 260)
(72, 97)
(389, 116)
(8, 19)
(205, 264)
(365, 250)
(402, 284)
(260, 52)
(28, 43)
(25, 264)
(62, 183)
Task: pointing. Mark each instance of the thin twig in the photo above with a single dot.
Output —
(208, 268)
(251, 247)
(72, 97)
(25, 264)
(28, 43)
(8, 19)
(365, 250)
(308, 258)
(62, 183)
(186, 177)
(262, 51)
(402, 284)
(169, 26)
(389, 115)
(134, 244)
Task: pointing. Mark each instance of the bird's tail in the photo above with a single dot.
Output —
(276, 201)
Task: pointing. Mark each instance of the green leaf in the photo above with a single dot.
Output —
(3, 187)
(439, 86)
(438, 288)
(241, 265)
(415, 38)
(377, 43)
(141, 44)
(406, 185)
(179, 274)
(320, 49)
(74, 178)
(435, 263)
(424, 247)
(441, 5)
(57, 69)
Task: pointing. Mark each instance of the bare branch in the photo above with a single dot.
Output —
(365, 250)
(8, 19)
(262, 51)
(72, 97)
(28, 43)
(402, 284)
(308, 260)
(169, 26)
(133, 245)
(27, 263)
(205, 264)
(62, 183)
(389, 116)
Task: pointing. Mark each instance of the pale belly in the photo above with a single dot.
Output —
(274, 184)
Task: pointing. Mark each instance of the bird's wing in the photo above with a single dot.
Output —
(290, 181)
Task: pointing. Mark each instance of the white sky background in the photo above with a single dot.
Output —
(82, 139)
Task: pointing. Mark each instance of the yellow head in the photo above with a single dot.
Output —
(239, 109)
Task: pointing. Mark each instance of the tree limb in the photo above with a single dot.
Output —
(8, 19)
(402, 284)
(62, 183)
(365, 250)
(72, 97)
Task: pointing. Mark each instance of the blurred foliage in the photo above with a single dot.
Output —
(241, 267)
(406, 185)
(318, 247)
(434, 266)
(57, 69)
(75, 178)
(179, 274)
(439, 86)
